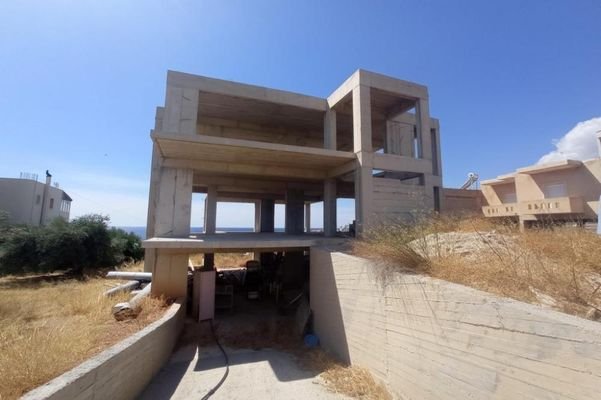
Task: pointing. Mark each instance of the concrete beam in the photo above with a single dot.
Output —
(236, 89)
(389, 84)
(392, 162)
(343, 169)
(344, 90)
(246, 169)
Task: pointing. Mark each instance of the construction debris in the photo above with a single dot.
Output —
(125, 287)
(131, 308)
(135, 276)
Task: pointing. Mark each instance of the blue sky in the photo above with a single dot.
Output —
(80, 80)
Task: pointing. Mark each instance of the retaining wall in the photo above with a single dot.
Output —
(122, 371)
(431, 339)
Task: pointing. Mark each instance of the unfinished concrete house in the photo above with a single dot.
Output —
(371, 140)
(566, 190)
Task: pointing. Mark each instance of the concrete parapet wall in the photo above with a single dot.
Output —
(122, 371)
(462, 201)
(431, 339)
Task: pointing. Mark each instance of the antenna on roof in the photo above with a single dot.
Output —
(472, 179)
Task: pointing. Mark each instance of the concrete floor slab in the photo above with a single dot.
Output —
(254, 374)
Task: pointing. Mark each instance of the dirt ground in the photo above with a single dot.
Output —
(50, 323)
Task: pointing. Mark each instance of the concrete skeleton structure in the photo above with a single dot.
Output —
(568, 190)
(371, 140)
(30, 202)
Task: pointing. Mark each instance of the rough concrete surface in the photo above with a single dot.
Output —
(430, 339)
(254, 374)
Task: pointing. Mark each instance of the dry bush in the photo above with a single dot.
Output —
(49, 325)
(348, 380)
(558, 267)
(224, 260)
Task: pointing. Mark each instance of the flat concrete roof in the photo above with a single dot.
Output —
(555, 166)
(243, 90)
(311, 162)
(247, 241)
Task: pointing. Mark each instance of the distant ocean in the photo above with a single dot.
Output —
(141, 230)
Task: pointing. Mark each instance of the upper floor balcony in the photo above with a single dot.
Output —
(557, 205)
(501, 210)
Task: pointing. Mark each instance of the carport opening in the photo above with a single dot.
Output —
(255, 289)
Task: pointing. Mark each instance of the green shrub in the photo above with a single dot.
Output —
(84, 243)
(126, 246)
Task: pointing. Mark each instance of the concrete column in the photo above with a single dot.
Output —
(181, 110)
(362, 136)
(294, 212)
(329, 207)
(422, 119)
(174, 203)
(210, 225)
(267, 222)
(363, 198)
(170, 274)
(308, 217)
(257, 227)
(155, 173)
(329, 130)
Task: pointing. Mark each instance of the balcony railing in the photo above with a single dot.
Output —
(501, 210)
(557, 205)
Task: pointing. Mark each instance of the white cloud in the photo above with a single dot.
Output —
(580, 143)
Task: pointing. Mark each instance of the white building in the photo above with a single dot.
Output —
(30, 202)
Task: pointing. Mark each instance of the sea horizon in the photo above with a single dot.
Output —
(140, 231)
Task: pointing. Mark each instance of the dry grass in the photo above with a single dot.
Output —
(558, 267)
(224, 260)
(348, 380)
(49, 324)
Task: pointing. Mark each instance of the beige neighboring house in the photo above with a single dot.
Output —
(566, 190)
(371, 140)
(30, 202)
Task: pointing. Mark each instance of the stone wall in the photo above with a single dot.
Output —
(431, 339)
(122, 371)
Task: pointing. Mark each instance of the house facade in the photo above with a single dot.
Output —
(30, 202)
(566, 190)
(371, 140)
